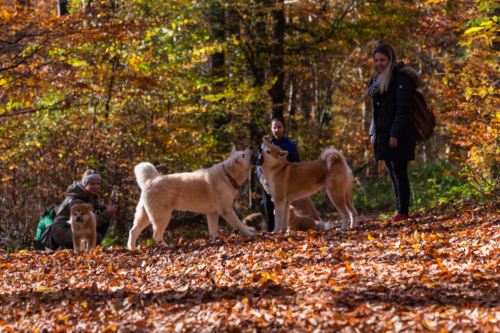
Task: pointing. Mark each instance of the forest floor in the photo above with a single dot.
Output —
(435, 273)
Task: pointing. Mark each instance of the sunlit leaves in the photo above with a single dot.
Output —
(426, 273)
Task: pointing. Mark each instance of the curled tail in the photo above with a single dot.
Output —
(144, 172)
(331, 156)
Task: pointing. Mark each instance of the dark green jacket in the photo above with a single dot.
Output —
(61, 229)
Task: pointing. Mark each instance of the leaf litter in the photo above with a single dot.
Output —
(427, 274)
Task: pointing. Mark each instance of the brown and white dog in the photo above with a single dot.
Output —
(304, 223)
(303, 206)
(83, 225)
(290, 181)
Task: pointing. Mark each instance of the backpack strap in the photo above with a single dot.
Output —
(64, 204)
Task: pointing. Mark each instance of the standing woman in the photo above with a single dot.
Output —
(281, 140)
(80, 192)
(392, 131)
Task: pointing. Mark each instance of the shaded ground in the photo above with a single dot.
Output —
(437, 273)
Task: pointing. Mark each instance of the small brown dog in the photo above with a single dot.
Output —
(255, 222)
(83, 225)
(305, 207)
(304, 223)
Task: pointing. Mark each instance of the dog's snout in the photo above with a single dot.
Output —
(79, 218)
(260, 150)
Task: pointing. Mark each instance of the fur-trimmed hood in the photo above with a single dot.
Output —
(413, 74)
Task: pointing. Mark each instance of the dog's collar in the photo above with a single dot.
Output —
(231, 179)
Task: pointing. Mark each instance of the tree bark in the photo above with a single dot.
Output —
(62, 7)
(277, 90)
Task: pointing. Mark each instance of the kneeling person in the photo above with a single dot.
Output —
(82, 192)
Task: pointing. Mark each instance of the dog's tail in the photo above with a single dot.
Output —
(329, 225)
(331, 156)
(144, 172)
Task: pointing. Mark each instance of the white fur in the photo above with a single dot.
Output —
(206, 191)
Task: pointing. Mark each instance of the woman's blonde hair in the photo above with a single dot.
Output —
(385, 76)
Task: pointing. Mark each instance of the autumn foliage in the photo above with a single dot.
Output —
(437, 273)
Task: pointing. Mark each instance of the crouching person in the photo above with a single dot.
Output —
(81, 192)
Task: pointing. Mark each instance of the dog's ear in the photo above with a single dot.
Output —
(233, 150)
(282, 153)
(89, 207)
(266, 139)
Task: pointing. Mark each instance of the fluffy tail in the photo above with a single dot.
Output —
(144, 172)
(329, 225)
(331, 156)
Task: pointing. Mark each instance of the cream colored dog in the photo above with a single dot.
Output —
(290, 181)
(208, 191)
(304, 223)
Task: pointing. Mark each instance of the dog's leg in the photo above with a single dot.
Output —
(141, 221)
(213, 224)
(94, 241)
(352, 209)
(339, 201)
(159, 217)
(230, 216)
(284, 226)
(281, 220)
(77, 243)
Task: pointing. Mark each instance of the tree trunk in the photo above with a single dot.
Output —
(277, 91)
(62, 7)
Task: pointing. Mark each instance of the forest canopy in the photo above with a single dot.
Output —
(108, 84)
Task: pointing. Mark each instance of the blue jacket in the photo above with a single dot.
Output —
(285, 144)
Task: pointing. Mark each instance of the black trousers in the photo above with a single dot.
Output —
(101, 233)
(398, 172)
(269, 208)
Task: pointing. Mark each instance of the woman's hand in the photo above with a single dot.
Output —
(393, 142)
(112, 208)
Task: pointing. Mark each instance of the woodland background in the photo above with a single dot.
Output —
(108, 84)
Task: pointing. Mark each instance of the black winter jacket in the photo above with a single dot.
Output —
(392, 116)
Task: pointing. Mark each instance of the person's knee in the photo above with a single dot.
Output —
(99, 238)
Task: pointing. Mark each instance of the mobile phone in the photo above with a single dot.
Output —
(117, 201)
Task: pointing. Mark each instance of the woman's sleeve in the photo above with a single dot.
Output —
(404, 99)
(372, 124)
(103, 217)
(293, 154)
